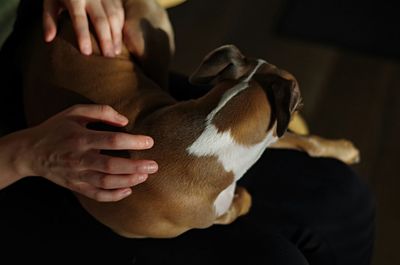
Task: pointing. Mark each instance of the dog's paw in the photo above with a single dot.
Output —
(240, 206)
(340, 149)
(243, 199)
(347, 152)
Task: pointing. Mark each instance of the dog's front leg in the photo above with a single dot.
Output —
(316, 146)
(240, 206)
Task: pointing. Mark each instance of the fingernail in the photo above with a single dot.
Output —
(109, 51)
(150, 167)
(142, 178)
(110, 54)
(49, 34)
(126, 192)
(122, 119)
(118, 48)
(149, 141)
(86, 49)
(47, 38)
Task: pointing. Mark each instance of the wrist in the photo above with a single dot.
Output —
(14, 158)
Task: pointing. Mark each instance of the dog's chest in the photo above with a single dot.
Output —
(234, 157)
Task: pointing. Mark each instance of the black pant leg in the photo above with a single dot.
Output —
(319, 204)
(47, 223)
(238, 243)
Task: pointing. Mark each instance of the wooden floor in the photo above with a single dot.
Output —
(346, 94)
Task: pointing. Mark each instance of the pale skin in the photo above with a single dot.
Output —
(62, 149)
(65, 152)
(114, 22)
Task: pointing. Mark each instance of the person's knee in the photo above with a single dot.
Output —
(346, 216)
(346, 194)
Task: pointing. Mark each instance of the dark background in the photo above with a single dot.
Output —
(345, 55)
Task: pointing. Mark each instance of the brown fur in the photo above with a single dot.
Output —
(250, 112)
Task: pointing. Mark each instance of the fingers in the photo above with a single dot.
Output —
(101, 25)
(117, 165)
(105, 187)
(105, 181)
(115, 13)
(50, 12)
(80, 23)
(100, 195)
(106, 16)
(101, 113)
(117, 141)
(107, 140)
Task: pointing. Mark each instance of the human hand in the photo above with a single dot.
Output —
(112, 19)
(107, 17)
(65, 152)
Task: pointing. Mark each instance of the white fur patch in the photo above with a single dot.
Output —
(224, 199)
(234, 157)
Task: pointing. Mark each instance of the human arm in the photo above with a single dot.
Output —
(65, 152)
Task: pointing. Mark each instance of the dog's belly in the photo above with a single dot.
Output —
(234, 157)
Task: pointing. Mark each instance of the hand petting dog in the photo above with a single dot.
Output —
(65, 152)
(114, 21)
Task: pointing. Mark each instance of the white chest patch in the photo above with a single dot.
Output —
(234, 157)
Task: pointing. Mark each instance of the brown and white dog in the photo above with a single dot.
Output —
(215, 138)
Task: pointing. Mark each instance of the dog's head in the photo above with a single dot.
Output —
(228, 63)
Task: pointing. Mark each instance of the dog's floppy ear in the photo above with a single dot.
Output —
(225, 62)
(284, 96)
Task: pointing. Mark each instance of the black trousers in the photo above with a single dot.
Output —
(305, 211)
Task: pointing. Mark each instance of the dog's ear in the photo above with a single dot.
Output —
(284, 96)
(226, 62)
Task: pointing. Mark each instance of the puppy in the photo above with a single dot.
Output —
(203, 146)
